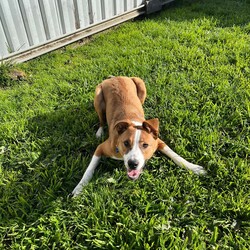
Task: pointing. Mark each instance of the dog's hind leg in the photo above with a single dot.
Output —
(100, 108)
(140, 87)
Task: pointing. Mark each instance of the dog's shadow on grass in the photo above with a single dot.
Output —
(60, 141)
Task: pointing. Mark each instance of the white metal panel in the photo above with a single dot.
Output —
(34, 21)
(139, 3)
(15, 25)
(28, 24)
(3, 43)
(130, 5)
(119, 7)
(96, 10)
(52, 24)
(83, 11)
(68, 15)
(109, 8)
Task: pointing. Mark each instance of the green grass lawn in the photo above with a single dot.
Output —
(195, 60)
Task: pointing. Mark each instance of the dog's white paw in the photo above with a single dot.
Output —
(76, 191)
(99, 132)
(199, 170)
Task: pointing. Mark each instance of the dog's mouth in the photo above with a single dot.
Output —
(134, 174)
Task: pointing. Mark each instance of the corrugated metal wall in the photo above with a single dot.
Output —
(25, 24)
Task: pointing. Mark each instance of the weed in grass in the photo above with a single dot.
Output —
(194, 58)
(9, 75)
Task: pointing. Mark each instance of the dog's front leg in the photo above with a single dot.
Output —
(87, 175)
(100, 151)
(179, 160)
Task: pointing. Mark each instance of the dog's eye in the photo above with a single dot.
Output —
(145, 145)
(126, 144)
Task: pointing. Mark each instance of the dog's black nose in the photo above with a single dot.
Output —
(133, 164)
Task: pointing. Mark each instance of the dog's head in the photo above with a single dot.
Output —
(137, 142)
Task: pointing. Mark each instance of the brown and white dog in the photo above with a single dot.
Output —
(118, 101)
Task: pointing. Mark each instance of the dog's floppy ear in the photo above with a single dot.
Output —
(152, 126)
(121, 126)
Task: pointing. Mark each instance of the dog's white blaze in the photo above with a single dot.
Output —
(87, 175)
(135, 153)
(182, 162)
(137, 123)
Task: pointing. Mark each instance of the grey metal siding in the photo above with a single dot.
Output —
(26, 24)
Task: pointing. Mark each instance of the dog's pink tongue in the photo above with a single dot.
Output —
(133, 174)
